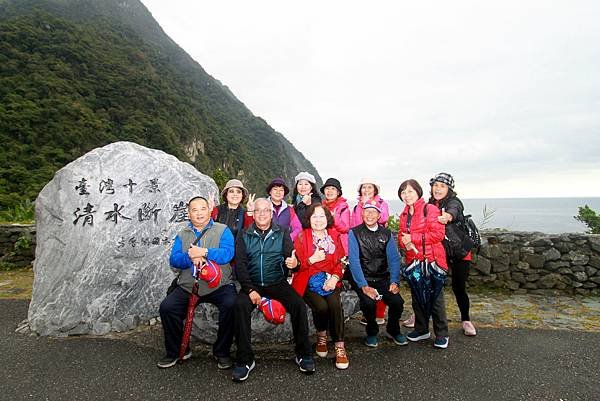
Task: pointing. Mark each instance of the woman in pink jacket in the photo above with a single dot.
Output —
(332, 189)
(368, 192)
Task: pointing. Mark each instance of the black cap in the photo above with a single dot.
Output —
(278, 182)
(332, 182)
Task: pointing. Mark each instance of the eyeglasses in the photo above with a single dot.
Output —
(263, 211)
(318, 216)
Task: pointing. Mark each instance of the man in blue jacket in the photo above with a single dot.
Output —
(264, 254)
(202, 239)
(375, 267)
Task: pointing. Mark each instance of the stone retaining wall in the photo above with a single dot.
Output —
(524, 262)
(530, 262)
(17, 244)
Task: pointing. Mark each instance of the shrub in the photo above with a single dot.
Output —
(590, 218)
(393, 223)
(23, 243)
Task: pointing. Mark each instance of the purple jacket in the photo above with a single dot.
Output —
(287, 219)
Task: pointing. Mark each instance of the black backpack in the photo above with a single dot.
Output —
(462, 237)
(472, 231)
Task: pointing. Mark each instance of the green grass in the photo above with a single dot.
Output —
(23, 213)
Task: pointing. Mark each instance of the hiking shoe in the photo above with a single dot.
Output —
(380, 321)
(241, 372)
(168, 362)
(321, 348)
(410, 322)
(224, 362)
(306, 364)
(400, 339)
(371, 341)
(341, 359)
(468, 328)
(441, 342)
(416, 336)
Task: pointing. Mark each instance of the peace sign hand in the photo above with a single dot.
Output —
(211, 199)
(250, 204)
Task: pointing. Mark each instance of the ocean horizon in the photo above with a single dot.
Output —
(546, 215)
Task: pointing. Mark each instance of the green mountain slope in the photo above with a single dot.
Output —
(78, 74)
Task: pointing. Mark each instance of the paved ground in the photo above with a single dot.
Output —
(498, 364)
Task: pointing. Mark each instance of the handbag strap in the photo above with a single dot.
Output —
(425, 221)
(199, 237)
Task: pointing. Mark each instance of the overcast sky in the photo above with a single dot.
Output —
(503, 95)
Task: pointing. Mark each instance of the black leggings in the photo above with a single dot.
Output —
(327, 313)
(460, 274)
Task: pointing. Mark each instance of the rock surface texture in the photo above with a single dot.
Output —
(536, 263)
(205, 322)
(105, 225)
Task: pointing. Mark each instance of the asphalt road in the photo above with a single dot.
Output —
(498, 364)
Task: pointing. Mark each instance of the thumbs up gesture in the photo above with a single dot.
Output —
(292, 261)
(307, 199)
(318, 256)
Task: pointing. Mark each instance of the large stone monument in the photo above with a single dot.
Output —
(105, 224)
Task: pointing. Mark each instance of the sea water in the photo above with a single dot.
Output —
(547, 215)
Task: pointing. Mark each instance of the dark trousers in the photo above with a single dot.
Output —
(327, 312)
(393, 301)
(460, 275)
(438, 315)
(173, 310)
(293, 304)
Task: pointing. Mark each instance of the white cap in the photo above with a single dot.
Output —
(305, 175)
(368, 181)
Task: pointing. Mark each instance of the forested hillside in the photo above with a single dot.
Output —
(78, 74)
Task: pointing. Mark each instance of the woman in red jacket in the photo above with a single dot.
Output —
(318, 279)
(421, 234)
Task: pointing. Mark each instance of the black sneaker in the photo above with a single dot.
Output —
(416, 336)
(168, 362)
(306, 364)
(441, 342)
(241, 372)
(224, 362)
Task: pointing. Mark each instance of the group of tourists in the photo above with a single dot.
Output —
(299, 254)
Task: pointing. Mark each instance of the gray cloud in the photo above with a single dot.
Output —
(504, 95)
